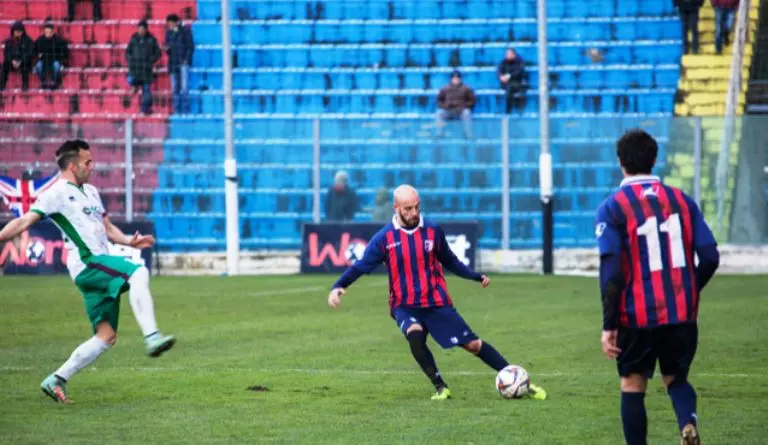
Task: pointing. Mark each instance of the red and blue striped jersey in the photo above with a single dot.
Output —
(414, 259)
(655, 229)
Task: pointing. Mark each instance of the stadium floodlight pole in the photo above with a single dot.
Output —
(545, 158)
(230, 164)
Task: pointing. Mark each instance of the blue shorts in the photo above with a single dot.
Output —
(444, 324)
(673, 347)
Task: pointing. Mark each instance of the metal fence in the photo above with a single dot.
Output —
(174, 175)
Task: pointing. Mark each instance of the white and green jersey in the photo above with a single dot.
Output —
(79, 214)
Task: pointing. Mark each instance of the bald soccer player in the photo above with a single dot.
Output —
(413, 250)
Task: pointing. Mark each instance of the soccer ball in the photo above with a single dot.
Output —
(36, 251)
(512, 382)
(354, 252)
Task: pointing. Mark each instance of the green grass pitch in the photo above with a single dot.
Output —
(347, 377)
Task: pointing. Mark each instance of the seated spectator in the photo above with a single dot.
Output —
(52, 53)
(456, 101)
(382, 207)
(512, 78)
(18, 55)
(341, 202)
(96, 9)
(142, 53)
(180, 46)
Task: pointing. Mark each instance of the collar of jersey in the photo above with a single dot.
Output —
(397, 225)
(79, 187)
(639, 179)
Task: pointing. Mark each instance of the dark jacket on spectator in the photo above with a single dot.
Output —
(340, 204)
(725, 4)
(142, 53)
(180, 47)
(688, 5)
(515, 69)
(19, 49)
(52, 50)
(456, 97)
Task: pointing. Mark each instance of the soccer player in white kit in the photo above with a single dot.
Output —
(75, 207)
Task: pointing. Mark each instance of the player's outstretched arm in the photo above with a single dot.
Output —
(18, 225)
(117, 236)
(452, 263)
(373, 257)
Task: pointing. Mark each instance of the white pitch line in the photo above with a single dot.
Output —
(339, 371)
(301, 290)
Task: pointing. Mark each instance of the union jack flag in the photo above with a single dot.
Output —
(19, 195)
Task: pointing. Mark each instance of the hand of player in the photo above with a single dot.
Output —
(486, 281)
(608, 340)
(334, 298)
(140, 241)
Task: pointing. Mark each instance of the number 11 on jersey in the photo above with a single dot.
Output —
(651, 229)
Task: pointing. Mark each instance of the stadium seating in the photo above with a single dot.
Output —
(369, 70)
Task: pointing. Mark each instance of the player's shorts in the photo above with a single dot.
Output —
(673, 346)
(444, 324)
(101, 283)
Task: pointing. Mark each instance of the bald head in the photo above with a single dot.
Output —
(407, 205)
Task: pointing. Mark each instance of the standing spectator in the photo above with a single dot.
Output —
(724, 12)
(456, 101)
(142, 53)
(382, 207)
(17, 56)
(341, 202)
(689, 16)
(96, 10)
(512, 78)
(180, 47)
(52, 53)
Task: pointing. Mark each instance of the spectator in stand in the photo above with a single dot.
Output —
(180, 46)
(142, 53)
(52, 53)
(96, 10)
(341, 202)
(689, 17)
(724, 13)
(382, 207)
(17, 56)
(512, 78)
(456, 101)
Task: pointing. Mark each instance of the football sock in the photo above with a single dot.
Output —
(141, 301)
(84, 355)
(423, 356)
(634, 418)
(491, 357)
(683, 401)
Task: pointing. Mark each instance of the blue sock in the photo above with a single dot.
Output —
(491, 357)
(634, 418)
(683, 401)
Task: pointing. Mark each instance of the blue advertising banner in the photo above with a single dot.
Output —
(41, 250)
(332, 247)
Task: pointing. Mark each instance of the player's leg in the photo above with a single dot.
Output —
(417, 340)
(55, 385)
(143, 308)
(635, 364)
(677, 349)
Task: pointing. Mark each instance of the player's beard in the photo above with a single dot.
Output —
(406, 223)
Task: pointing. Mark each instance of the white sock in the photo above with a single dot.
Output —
(141, 301)
(83, 356)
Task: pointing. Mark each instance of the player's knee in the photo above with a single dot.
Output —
(414, 328)
(634, 383)
(474, 346)
(106, 333)
(140, 275)
(672, 380)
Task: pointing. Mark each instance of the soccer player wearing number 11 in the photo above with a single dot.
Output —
(647, 234)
